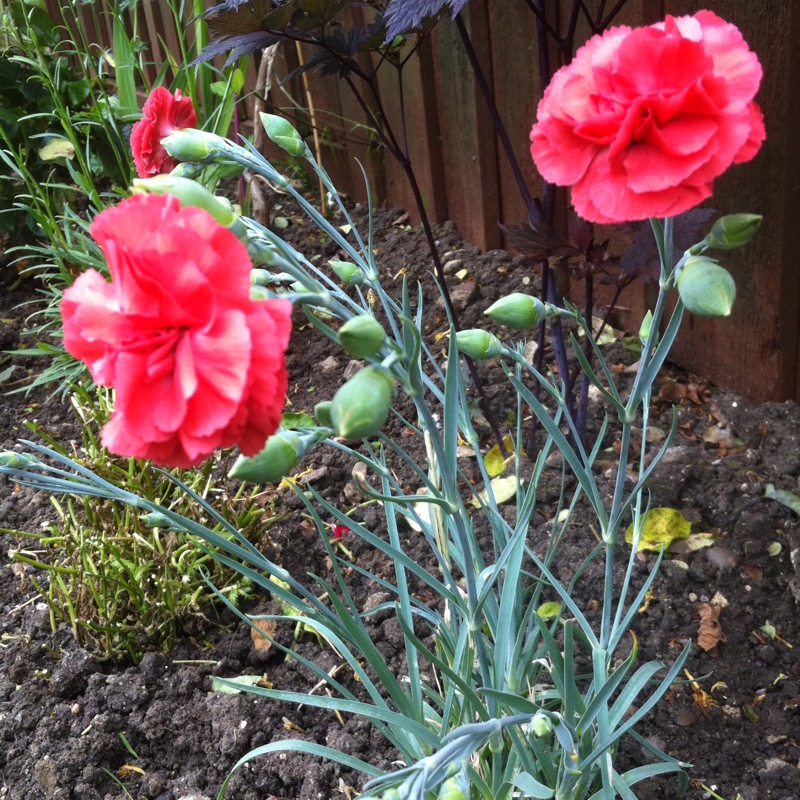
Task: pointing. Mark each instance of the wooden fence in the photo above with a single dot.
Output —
(465, 177)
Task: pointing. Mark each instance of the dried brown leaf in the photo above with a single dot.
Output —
(709, 633)
(266, 626)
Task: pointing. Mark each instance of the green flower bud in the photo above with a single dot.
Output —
(347, 271)
(279, 456)
(361, 336)
(391, 794)
(191, 193)
(360, 407)
(541, 725)
(322, 413)
(478, 344)
(155, 519)
(706, 289)
(644, 328)
(283, 133)
(260, 277)
(455, 787)
(191, 144)
(518, 311)
(13, 460)
(732, 231)
(259, 292)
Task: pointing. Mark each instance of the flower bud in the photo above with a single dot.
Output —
(155, 519)
(280, 454)
(347, 271)
(322, 413)
(541, 725)
(706, 289)
(478, 344)
(191, 193)
(391, 794)
(732, 231)
(361, 336)
(644, 328)
(518, 311)
(12, 460)
(361, 406)
(261, 277)
(191, 144)
(282, 132)
(455, 787)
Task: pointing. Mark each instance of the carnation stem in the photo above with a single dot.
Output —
(389, 139)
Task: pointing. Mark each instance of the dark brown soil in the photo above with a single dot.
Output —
(62, 709)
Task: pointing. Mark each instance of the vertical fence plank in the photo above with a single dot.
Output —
(324, 91)
(517, 92)
(757, 350)
(421, 120)
(468, 145)
(754, 351)
(355, 128)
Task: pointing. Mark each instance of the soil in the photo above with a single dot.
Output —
(64, 711)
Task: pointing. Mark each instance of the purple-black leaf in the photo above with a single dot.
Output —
(540, 245)
(406, 16)
(242, 45)
(641, 259)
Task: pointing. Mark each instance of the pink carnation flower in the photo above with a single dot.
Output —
(163, 115)
(643, 120)
(196, 364)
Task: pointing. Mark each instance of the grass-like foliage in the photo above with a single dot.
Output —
(127, 582)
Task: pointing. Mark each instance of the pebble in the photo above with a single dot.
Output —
(722, 557)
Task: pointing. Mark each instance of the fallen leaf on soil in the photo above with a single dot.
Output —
(495, 461)
(697, 541)
(502, 488)
(753, 572)
(673, 393)
(423, 512)
(716, 434)
(788, 499)
(128, 771)
(217, 684)
(661, 527)
(709, 633)
(267, 626)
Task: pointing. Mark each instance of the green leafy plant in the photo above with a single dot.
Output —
(63, 113)
(511, 700)
(126, 582)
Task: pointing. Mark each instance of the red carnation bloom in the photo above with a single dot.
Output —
(643, 120)
(163, 115)
(196, 364)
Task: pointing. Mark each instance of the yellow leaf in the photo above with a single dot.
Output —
(661, 527)
(549, 611)
(502, 488)
(494, 460)
(56, 148)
